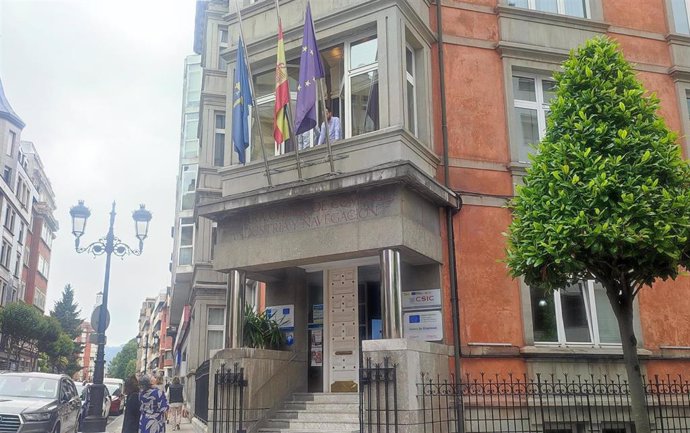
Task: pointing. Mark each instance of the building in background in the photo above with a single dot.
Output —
(145, 335)
(87, 356)
(41, 231)
(344, 252)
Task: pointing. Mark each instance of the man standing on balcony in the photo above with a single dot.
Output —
(333, 128)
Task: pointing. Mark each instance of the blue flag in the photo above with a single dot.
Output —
(241, 100)
(310, 69)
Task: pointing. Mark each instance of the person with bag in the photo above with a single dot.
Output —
(176, 400)
(154, 405)
(130, 421)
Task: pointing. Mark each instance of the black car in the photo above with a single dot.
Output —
(38, 403)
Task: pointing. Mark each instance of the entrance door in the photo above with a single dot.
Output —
(343, 317)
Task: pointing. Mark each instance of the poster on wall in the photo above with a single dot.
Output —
(284, 315)
(316, 344)
(423, 325)
(317, 313)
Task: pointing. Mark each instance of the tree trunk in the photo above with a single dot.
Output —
(638, 397)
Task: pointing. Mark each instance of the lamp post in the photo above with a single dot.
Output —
(146, 348)
(109, 245)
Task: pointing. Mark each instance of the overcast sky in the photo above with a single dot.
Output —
(99, 85)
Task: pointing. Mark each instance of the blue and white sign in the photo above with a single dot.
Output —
(284, 315)
(423, 325)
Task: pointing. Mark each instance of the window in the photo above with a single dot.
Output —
(186, 249)
(40, 302)
(214, 239)
(191, 139)
(222, 45)
(7, 175)
(531, 96)
(411, 90)
(188, 186)
(3, 292)
(679, 9)
(5, 253)
(361, 87)
(193, 86)
(17, 263)
(11, 138)
(216, 329)
(576, 8)
(47, 235)
(10, 216)
(20, 237)
(579, 313)
(43, 266)
(219, 140)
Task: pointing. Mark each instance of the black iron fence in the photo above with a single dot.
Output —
(549, 405)
(378, 397)
(228, 400)
(201, 392)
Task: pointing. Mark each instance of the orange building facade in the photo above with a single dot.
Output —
(498, 62)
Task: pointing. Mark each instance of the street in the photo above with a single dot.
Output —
(114, 424)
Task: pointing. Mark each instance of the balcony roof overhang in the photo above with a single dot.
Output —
(396, 172)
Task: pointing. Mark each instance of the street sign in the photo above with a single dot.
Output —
(94, 318)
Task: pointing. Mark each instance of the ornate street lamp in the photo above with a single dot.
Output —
(146, 347)
(108, 245)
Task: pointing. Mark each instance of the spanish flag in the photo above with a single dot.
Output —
(281, 132)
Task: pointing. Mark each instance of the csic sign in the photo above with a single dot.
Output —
(430, 298)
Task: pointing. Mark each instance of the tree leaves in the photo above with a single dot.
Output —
(608, 190)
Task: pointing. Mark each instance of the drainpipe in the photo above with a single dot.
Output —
(450, 211)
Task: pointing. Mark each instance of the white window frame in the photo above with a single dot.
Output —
(43, 266)
(217, 130)
(270, 100)
(221, 46)
(210, 327)
(541, 107)
(47, 235)
(411, 79)
(11, 139)
(194, 169)
(194, 140)
(560, 5)
(180, 246)
(592, 321)
(347, 78)
(17, 263)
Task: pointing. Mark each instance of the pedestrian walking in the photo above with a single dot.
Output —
(176, 399)
(153, 407)
(130, 422)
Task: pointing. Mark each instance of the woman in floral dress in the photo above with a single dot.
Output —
(153, 407)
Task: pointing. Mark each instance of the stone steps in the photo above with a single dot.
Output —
(316, 413)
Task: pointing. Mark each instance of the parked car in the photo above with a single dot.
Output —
(38, 403)
(86, 397)
(117, 402)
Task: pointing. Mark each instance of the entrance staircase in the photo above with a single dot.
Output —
(312, 413)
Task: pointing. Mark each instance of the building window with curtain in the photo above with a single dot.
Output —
(531, 97)
(575, 8)
(191, 140)
(579, 314)
(215, 337)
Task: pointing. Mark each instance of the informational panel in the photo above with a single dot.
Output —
(343, 316)
(421, 299)
(423, 325)
(284, 315)
(316, 348)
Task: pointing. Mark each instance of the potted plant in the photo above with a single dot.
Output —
(261, 331)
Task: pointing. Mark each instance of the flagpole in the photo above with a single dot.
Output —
(255, 107)
(325, 117)
(288, 109)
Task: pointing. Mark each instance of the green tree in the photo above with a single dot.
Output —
(22, 327)
(55, 344)
(607, 196)
(120, 365)
(67, 313)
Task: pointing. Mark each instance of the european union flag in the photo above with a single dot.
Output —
(241, 100)
(310, 69)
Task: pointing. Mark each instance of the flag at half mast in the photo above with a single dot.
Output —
(310, 70)
(281, 131)
(241, 100)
